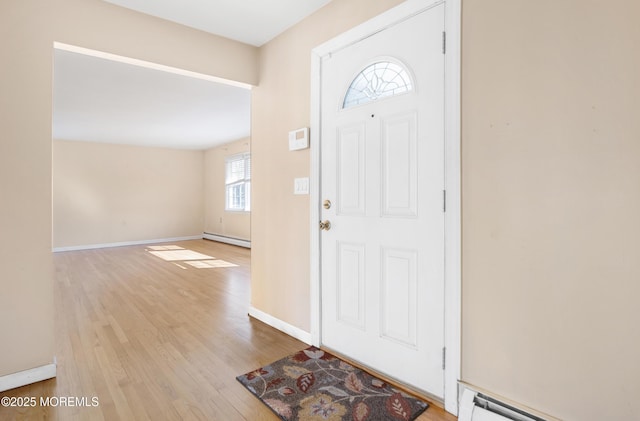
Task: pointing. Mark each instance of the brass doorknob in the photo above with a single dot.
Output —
(325, 225)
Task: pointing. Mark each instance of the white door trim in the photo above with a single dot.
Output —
(452, 174)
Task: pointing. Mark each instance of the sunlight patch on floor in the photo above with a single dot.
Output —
(166, 248)
(177, 255)
(173, 255)
(203, 264)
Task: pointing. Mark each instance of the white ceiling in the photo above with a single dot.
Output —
(253, 22)
(101, 100)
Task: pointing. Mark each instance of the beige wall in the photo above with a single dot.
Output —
(28, 29)
(216, 219)
(551, 197)
(106, 193)
(26, 287)
(280, 220)
(551, 204)
(105, 27)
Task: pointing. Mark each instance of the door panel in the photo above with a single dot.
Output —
(351, 170)
(382, 168)
(400, 166)
(351, 284)
(399, 296)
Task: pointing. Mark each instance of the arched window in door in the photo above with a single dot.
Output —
(378, 80)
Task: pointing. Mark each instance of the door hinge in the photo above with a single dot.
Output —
(444, 357)
(444, 42)
(444, 200)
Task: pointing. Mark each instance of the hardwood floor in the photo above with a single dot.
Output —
(152, 339)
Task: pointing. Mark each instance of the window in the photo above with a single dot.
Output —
(378, 80)
(238, 183)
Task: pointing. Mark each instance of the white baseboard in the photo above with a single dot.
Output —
(23, 378)
(285, 327)
(228, 240)
(125, 243)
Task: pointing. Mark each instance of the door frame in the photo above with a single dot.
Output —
(452, 266)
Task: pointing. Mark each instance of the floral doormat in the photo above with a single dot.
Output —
(314, 385)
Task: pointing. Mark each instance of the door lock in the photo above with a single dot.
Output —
(326, 204)
(325, 225)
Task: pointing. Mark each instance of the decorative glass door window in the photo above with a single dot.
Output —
(379, 80)
(238, 183)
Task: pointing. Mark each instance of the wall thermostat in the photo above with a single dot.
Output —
(299, 139)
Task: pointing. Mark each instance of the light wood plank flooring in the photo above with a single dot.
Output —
(157, 340)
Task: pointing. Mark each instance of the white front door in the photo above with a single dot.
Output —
(382, 170)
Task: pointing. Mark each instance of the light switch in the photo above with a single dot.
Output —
(301, 185)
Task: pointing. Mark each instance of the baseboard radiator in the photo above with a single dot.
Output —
(228, 240)
(479, 407)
